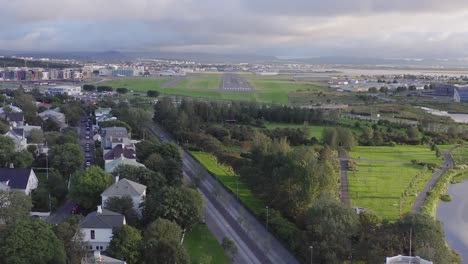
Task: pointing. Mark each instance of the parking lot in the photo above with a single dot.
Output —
(233, 82)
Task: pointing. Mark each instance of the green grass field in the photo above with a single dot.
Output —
(229, 179)
(138, 84)
(378, 185)
(274, 91)
(203, 247)
(313, 131)
(206, 81)
(460, 155)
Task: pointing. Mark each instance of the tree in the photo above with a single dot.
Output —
(66, 158)
(152, 93)
(37, 136)
(31, 241)
(123, 205)
(88, 185)
(4, 126)
(121, 90)
(330, 227)
(163, 229)
(89, 88)
(168, 167)
(165, 252)
(7, 147)
(229, 247)
(22, 159)
(70, 234)
(181, 205)
(105, 89)
(126, 244)
(14, 206)
(73, 112)
(49, 125)
(372, 90)
(139, 174)
(57, 185)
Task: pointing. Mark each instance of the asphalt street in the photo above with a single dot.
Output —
(64, 211)
(225, 216)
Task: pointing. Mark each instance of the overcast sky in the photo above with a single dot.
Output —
(287, 28)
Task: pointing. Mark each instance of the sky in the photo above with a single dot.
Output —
(291, 29)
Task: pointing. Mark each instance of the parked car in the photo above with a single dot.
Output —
(76, 209)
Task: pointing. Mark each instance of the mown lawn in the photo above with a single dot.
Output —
(404, 153)
(203, 247)
(207, 86)
(229, 179)
(460, 155)
(210, 81)
(312, 130)
(379, 184)
(138, 84)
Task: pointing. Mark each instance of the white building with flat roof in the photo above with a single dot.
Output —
(68, 90)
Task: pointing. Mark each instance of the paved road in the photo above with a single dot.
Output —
(226, 217)
(172, 83)
(64, 211)
(344, 193)
(448, 163)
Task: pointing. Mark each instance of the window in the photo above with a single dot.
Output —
(92, 234)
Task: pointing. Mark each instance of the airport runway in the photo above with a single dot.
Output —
(233, 82)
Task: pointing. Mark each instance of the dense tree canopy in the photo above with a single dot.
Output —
(126, 244)
(31, 241)
(14, 205)
(70, 234)
(66, 158)
(88, 185)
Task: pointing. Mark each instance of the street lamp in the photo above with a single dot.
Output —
(311, 254)
(237, 187)
(267, 217)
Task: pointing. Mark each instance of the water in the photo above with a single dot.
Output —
(454, 216)
(459, 118)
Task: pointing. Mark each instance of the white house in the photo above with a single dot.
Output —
(98, 258)
(113, 136)
(23, 180)
(19, 139)
(54, 115)
(124, 188)
(102, 111)
(110, 166)
(97, 227)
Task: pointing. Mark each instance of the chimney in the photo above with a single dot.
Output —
(12, 166)
(99, 209)
(117, 179)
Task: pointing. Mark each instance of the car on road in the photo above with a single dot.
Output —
(88, 163)
(87, 136)
(88, 155)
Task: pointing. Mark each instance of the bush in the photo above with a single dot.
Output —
(446, 197)
(89, 87)
(121, 90)
(104, 89)
(152, 93)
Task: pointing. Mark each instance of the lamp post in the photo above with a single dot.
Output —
(311, 254)
(268, 215)
(237, 187)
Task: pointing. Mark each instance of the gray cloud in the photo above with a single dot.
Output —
(395, 28)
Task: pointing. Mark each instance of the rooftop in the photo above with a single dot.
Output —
(125, 187)
(15, 178)
(103, 219)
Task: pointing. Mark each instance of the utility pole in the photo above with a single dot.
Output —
(237, 187)
(311, 254)
(268, 215)
(410, 238)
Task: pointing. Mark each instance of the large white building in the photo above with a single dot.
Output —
(68, 90)
(124, 188)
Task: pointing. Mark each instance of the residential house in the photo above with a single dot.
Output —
(27, 129)
(98, 258)
(110, 166)
(104, 118)
(97, 228)
(405, 259)
(54, 115)
(121, 150)
(102, 111)
(23, 180)
(124, 188)
(113, 136)
(18, 137)
(11, 109)
(15, 119)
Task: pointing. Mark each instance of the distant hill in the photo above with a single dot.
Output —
(15, 62)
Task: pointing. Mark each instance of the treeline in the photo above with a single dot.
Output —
(16, 62)
(299, 184)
